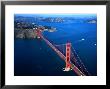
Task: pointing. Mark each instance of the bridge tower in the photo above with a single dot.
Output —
(68, 52)
(38, 32)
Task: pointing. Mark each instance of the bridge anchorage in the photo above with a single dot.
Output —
(68, 54)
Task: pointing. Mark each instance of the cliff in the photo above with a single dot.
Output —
(27, 33)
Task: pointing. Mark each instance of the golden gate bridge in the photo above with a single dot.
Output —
(68, 54)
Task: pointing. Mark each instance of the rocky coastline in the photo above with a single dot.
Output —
(28, 30)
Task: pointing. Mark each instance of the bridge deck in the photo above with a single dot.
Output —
(76, 70)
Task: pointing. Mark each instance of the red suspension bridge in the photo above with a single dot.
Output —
(67, 53)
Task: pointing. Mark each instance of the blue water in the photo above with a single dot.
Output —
(33, 57)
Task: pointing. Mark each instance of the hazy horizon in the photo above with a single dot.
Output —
(57, 15)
